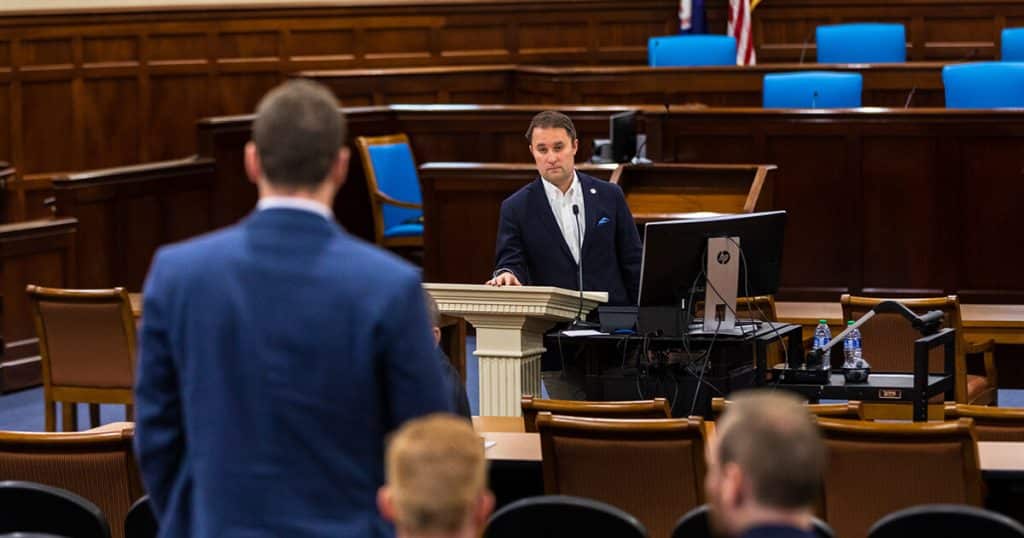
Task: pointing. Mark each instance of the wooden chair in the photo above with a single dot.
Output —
(651, 468)
(888, 345)
(848, 410)
(656, 408)
(990, 423)
(877, 468)
(394, 186)
(87, 345)
(99, 466)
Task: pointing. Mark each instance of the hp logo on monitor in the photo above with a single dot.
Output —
(723, 257)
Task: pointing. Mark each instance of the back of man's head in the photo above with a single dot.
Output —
(298, 132)
(776, 442)
(436, 479)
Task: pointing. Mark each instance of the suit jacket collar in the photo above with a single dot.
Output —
(594, 207)
(539, 206)
(286, 218)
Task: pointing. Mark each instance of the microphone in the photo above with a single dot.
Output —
(909, 97)
(578, 324)
(803, 49)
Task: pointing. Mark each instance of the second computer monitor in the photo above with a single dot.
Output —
(746, 259)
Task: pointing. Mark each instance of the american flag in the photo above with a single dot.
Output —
(740, 28)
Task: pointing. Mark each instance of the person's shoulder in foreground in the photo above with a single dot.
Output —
(276, 354)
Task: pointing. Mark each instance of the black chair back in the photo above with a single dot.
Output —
(27, 507)
(946, 521)
(552, 516)
(696, 524)
(140, 521)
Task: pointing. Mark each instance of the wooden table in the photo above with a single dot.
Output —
(1000, 322)
(995, 457)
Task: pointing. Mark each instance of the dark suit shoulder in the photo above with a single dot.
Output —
(519, 197)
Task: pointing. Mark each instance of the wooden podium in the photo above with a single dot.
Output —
(510, 323)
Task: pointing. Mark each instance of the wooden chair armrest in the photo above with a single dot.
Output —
(389, 200)
(987, 346)
(988, 349)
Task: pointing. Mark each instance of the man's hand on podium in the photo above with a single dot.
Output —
(504, 279)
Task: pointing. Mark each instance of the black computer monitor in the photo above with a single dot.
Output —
(622, 131)
(675, 254)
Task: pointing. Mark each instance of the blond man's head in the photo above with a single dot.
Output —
(436, 478)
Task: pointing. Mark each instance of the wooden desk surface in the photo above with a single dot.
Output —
(499, 424)
(1003, 323)
(993, 456)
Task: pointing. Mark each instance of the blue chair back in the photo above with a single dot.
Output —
(1013, 45)
(868, 42)
(395, 172)
(984, 85)
(691, 50)
(812, 89)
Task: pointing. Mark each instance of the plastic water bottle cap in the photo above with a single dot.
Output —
(823, 322)
(849, 322)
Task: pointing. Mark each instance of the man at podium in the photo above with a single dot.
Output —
(565, 222)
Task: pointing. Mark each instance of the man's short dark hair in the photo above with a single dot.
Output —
(551, 119)
(777, 444)
(298, 132)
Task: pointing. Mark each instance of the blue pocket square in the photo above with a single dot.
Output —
(603, 221)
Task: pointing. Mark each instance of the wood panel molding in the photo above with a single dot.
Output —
(88, 89)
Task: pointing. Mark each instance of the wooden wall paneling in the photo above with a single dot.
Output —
(124, 214)
(885, 85)
(905, 213)
(34, 252)
(989, 207)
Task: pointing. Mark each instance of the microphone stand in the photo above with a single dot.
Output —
(579, 324)
(925, 324)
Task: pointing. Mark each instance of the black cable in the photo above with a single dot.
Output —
(704, 368)
(771, 324)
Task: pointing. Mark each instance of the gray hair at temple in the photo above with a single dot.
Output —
(298, 131)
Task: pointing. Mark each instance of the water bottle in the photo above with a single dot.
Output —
(851, 348)
(858, 353)
(822, 336)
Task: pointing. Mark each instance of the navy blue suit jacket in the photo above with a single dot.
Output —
(531, 245)
(275, 355)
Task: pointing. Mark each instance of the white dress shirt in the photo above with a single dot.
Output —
(561, 205)
(291, 202)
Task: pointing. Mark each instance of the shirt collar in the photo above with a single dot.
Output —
(554, 193)
(291, 202)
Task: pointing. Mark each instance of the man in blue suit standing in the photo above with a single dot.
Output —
(564, 219)
(277, 354)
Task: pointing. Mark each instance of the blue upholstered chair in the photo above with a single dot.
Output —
(691, 50)
(1013, 45)
(394, 187)
(868, 42)
(984, 85)
(812, 89)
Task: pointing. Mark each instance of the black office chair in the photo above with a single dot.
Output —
(552, 516)
(695, 524)
(27, 507)
(140, 521)
(946, 521)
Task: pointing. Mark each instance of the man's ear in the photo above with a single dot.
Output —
(253, 167)
(385, 503)
(339, 173)
(484, 507)
(732, 486)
